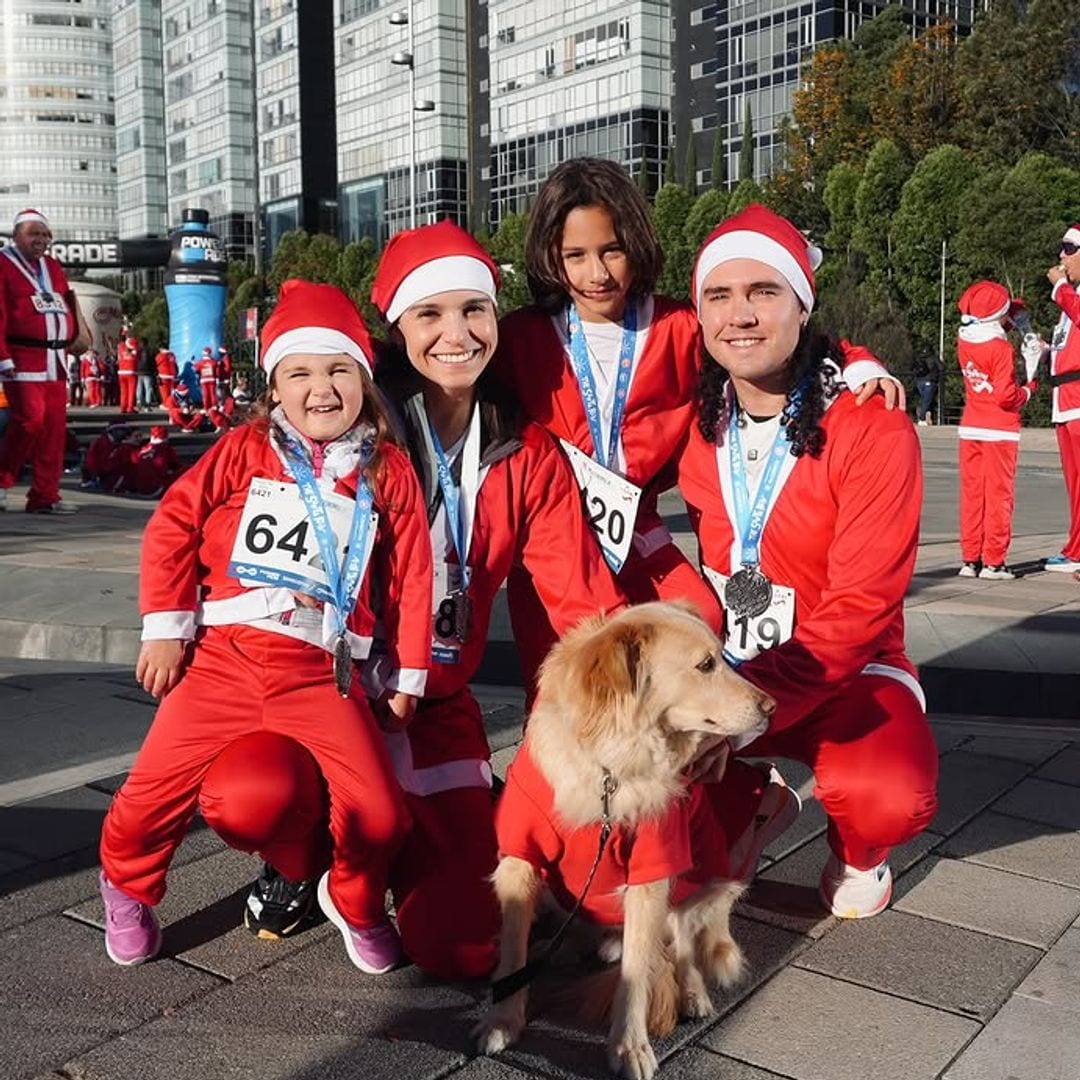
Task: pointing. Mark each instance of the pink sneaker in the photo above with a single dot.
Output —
(376, 950)
(132, 934)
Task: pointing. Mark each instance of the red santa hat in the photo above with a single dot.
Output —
(423, 262)
(27, 215)
(132, 342)
(223, 350)
(208, 353)
(316, 319)
(1072, 234)
(158, 434)
(984, 302)
(758, 233)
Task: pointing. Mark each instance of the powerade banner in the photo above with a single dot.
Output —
(195, 292)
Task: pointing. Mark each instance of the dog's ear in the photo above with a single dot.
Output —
(611, 670)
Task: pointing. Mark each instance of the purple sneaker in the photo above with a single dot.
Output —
(376, 950)
(132, 934)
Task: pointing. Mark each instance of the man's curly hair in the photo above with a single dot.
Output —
(816, 363)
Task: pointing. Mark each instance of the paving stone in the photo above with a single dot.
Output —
(697, 1063)
(1065, 768)
(947, 736)
(1045, 801)
(988, 900)
(556, 1049)
(1021, 847)
(971, 973)
(803, 1025)
(486, 1068)
(786, 893)
(12, 860)
(968, 783)
(61, 994)
(1027, 1040)
(1056, 978)
(54, 825)
(1029, 751)
(202, 917)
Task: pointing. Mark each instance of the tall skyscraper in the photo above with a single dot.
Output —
(57, 136)
(728, 54)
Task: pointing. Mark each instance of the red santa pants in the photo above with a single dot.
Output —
(875, 769)
(209, 393)
(987, 498)
(1068, 436)
(93, 391)
(36, 432)
(166, 383)
(242, 681)
(664, 575)
(128, 383)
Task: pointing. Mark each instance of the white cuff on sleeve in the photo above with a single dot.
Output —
(860, 372)
(1060, 284)
(408, 681)
(168, 626)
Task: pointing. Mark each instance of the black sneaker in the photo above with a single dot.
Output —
(276, 907)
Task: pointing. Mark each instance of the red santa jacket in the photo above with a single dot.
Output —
(843, 533)
(107, 459)
(90, 367)
(35, 340)
(166, 364)
(189, 540)
(206, 367)
(224, 366)
(992, 399)
(127, 358)
(1065, 354)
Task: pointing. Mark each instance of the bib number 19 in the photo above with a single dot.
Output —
(260, 538)
(763, 632)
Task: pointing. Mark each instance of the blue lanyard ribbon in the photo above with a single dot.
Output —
(341, 581)
(33, 273)
(579, 358)
(451, 494)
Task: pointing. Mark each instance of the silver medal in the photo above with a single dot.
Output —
(343, 667)
(462, 615)
(748, 593)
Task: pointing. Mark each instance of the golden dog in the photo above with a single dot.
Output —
(630, 702)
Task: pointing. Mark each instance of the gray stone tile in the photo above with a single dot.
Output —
(1065, 768)
(1021, 847)
(968, 783)
(202, 917)
(12, 860)
(1027, 1040)
(971, 973)
(486, 1068)
(697, 1063)
(61, 994)
(1029, 751)
(947, 736)
(801, 1026)
(1045, 801)
(1056, 978)
(988, 900)
(54, 825)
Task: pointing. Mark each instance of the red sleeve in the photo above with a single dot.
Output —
(403, 557)
(1068, 299)
(522, 828)
(557, 548)
(878, 489)
(5, 300)
(661, 846)
(1005, 394)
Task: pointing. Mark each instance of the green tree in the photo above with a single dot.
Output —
(671, 172)
(718, 177)
(670, 209)
(151, 322)
(691, 164)
(746, 145)
(877, 198)
(839, 195)
(743, 194)
(709, 209)
(507, 248)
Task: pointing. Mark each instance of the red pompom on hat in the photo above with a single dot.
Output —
(985, 301)
(759, 233)
(433, 259)
(316, 319)
(158, 434)
(29, 214)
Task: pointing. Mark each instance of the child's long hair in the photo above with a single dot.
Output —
(582, 182)
(373, 413)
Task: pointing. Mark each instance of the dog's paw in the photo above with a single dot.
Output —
(498, 1030)
(694, 1000)
(632, 1058)
(610, 948)
(727, 964)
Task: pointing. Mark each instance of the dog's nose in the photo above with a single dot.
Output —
(767, 705)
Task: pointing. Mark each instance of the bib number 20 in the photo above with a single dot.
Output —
(260, 538)
(608, 523)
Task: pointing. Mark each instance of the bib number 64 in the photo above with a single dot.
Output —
(260, 537)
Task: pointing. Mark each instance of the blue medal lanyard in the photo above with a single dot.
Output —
(579, 359)
(342, 582)
(751, 519)
(451, 494)
(33, 274)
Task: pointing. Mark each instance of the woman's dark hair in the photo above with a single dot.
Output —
(581, 182)
(373, 412)
(816, 362)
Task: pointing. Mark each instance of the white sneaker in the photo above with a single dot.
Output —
(776, 813)
(997, 573)
(1061, 564)
(969, 569)
(855, 894)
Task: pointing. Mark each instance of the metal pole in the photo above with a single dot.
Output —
(412, 121)
(256, 225)
(941, 343)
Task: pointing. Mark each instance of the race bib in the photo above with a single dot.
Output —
(48, 304)
(746, 636)
(1061, 332)
(447, 613)
(610, 503)
(275, 544)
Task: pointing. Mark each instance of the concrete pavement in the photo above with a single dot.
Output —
(973, 974)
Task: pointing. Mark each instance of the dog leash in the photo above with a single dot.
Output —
(516, 980)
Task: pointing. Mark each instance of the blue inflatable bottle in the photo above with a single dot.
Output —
(195, 288)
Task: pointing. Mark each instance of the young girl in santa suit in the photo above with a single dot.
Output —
(498, 493)
(806, 510)
(257, 601)
(610, 370)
